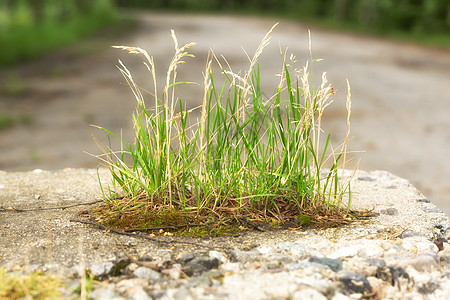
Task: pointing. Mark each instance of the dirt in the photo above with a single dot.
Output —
(400, 92)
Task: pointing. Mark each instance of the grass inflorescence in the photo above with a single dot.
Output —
(249, 158)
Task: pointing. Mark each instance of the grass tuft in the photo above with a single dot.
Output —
(249, 156)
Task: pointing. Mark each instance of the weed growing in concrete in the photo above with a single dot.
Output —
(249, 156)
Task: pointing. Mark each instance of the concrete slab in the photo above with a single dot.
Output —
(47, 237)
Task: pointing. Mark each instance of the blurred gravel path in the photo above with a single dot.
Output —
(401, 93)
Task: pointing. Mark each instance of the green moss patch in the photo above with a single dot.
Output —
(36, 285)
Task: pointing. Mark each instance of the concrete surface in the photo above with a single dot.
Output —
(48, 238)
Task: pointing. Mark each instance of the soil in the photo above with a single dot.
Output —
(400, 92)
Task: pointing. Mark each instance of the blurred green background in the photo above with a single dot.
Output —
(427, 20)
(31, 27)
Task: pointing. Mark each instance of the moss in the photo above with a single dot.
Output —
(304, 220)
(196, 232)
(157, 218)
(36, 285)
(162, 220)
(142, 218)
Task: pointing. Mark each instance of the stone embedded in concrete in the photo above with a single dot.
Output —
(333, 264)
(355, 283)
(146, 273)
(102, 270)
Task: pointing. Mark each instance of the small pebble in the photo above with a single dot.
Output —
(102, 270)
(432, 209)
(147, 273)
(390, 211)
(219, 256)
(334, 264)
(423, 263)
(410, 233)
(307, 293)
(104, 294)
(423, 200)
(366, 178)
(355, 283)
(199, 265)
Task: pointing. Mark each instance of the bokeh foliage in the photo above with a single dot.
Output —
(424, 16)
(31, 27)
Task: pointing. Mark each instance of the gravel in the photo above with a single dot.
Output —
(414, 269)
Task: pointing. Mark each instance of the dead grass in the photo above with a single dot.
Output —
(140, 215)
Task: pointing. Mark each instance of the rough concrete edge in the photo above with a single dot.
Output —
(395, 198)
(400, 205)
